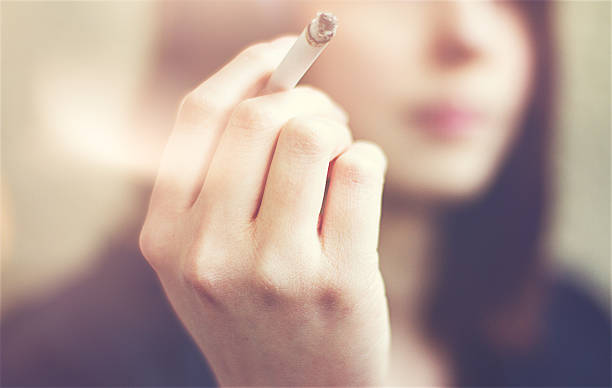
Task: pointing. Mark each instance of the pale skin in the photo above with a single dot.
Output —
(281, 283)
(269, 297)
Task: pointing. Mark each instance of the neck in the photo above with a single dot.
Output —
(407, 241)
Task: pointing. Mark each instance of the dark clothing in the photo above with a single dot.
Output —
(115, 327)
(574, 349)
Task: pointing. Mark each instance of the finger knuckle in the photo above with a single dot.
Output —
(199, 103)
(273, 284)
(251, 114)
(305, 136)
(335, 301)
(153, 246)
(256, 53)
(345, 293)
(312, 92)
(287, 273)
(209, 283)
(262, 55)
(373, 151)
(362, 164)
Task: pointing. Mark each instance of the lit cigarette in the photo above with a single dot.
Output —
(308, 46)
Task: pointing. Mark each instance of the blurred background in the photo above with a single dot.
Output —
(77, 118)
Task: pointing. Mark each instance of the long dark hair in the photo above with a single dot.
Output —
(491, 262)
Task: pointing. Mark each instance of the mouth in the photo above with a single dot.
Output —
(445, 119)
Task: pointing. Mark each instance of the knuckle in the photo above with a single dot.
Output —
(281, 277)
(256, 52)
(267, 52)
(252, 114)
(363, 163)
(153, 246)
(374, 153)
(145, 243)
(312, 92)
(208, 283)
(272, 284)
(305, 135)
(344, 293)
(333, 300)
(198, 103)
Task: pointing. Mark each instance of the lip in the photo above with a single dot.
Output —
(446, 119)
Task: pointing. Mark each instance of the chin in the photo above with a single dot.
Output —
(438, 190)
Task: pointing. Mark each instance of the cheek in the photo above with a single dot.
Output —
(455, 171)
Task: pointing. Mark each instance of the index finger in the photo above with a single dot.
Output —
(201, 119)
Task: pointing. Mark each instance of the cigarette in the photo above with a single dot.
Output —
(308, 46)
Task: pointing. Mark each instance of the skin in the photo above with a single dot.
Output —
(277, 292)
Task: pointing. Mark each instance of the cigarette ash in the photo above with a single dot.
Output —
(323, 27)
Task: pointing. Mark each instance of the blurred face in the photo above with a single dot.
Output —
(441, 86)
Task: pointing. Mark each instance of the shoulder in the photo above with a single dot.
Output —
(579, 330)
(572, 305)
(575, 317)
(574, 348)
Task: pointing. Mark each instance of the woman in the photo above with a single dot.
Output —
(440, 281)
(458, 95)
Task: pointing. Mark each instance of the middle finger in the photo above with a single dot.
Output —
(237, 175)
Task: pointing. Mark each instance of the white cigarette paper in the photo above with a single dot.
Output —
(308, 46)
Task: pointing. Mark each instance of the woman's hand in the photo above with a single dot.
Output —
(272, 293)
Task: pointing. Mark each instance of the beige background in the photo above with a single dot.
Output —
(61, 201)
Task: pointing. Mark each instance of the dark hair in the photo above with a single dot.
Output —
(490, 261)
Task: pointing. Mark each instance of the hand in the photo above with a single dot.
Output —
(273, 290)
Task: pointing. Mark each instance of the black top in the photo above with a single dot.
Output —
(114, 327)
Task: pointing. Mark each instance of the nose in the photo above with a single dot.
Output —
(461, 33)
